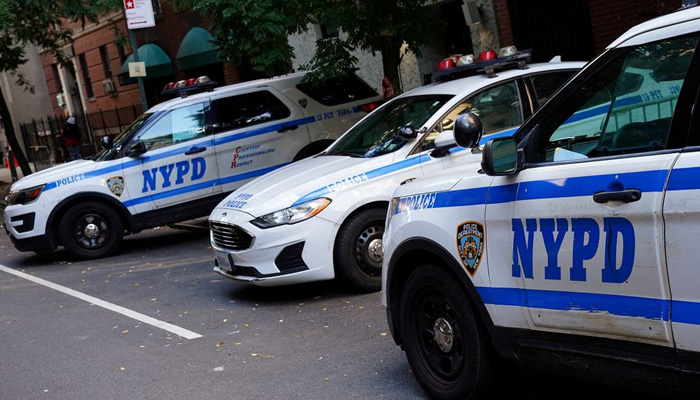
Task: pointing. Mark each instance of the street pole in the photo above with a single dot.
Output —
(134, 49)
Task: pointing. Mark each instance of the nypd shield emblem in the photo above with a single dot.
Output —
(470, 244)
(116, 185)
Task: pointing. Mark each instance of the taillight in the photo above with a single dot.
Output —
(369, 107)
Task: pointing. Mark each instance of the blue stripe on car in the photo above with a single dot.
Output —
(181, 150)
(646, 181)
(628, 306)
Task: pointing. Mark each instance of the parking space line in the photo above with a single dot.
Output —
(104, 304)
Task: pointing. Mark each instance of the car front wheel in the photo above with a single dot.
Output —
(91, 230)
(446, 345)
(358, 251)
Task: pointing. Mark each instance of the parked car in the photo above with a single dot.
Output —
(178, 160)
(572, 250)
(323, 218)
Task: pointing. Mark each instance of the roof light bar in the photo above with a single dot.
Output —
(183, 87)
(486, 62)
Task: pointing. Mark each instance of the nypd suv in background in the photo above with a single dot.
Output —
(323, 217)
(178, 160)
(574, 250)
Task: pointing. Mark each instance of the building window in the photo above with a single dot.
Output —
(121, 52)
(56, 78)
(86, 76)
(105, 62)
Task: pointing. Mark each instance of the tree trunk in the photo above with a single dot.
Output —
(391, 57)
(12, 138)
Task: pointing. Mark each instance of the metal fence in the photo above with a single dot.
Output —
(42, 137)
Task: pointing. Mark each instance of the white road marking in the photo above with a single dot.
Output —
(104, 304)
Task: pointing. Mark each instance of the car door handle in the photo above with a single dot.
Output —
(195, 150)
(288, 128)
(625, 196)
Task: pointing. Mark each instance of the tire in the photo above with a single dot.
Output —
(91, 230)
(459, 362)
(357, 254)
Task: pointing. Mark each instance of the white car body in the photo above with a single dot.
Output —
(352, 184)
(195, 150)
(583, 263)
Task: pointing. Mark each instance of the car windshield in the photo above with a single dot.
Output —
(378, 134)
(124, 137)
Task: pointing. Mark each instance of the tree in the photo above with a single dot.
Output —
(38, 22)
(256, 31)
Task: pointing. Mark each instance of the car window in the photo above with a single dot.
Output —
(378, 133)
(498, 108)
(337, 91)
(247, 109)
(178, 125)
(625, 107)
(546, 84)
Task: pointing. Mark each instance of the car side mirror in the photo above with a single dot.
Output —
(444, 141)
(501, 157)
(468, 130)
(407, 132)
(107, 142)
(136, 149)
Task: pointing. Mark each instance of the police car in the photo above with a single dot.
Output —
(574, 248)
(323, 217)
(179, 159)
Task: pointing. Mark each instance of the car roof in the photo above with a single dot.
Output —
(476, 82)
(278, 80)
(674, 18)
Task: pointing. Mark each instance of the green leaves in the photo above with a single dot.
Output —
(39, 22)
(255, 32)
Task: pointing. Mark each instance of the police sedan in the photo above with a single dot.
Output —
(323, 217)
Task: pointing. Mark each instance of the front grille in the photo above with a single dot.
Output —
(230, 237)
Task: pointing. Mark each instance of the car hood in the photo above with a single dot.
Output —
(53, 176)
(308, 179)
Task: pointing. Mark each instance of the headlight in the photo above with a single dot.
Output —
(292, 214)
(24, 196)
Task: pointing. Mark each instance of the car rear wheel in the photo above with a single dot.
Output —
(358, 251)
(91, 230)
(446, 345)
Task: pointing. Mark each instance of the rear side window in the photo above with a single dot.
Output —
(338, 91)
(247, 109)
(547, 84)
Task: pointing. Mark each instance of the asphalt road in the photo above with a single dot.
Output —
(308, 341)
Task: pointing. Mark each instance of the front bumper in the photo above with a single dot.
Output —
(283, 255)
(26, 230)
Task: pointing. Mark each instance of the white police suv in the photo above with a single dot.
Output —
(178, 160)
(573, 248)
(323, 217)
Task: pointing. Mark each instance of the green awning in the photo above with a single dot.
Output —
(198, 48)
(157, 64)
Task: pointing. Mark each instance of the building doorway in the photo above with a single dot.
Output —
(552, 28)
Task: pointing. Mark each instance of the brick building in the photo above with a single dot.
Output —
(574, 29)
(98, 85)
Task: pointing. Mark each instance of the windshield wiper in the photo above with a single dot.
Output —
(353, 154)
